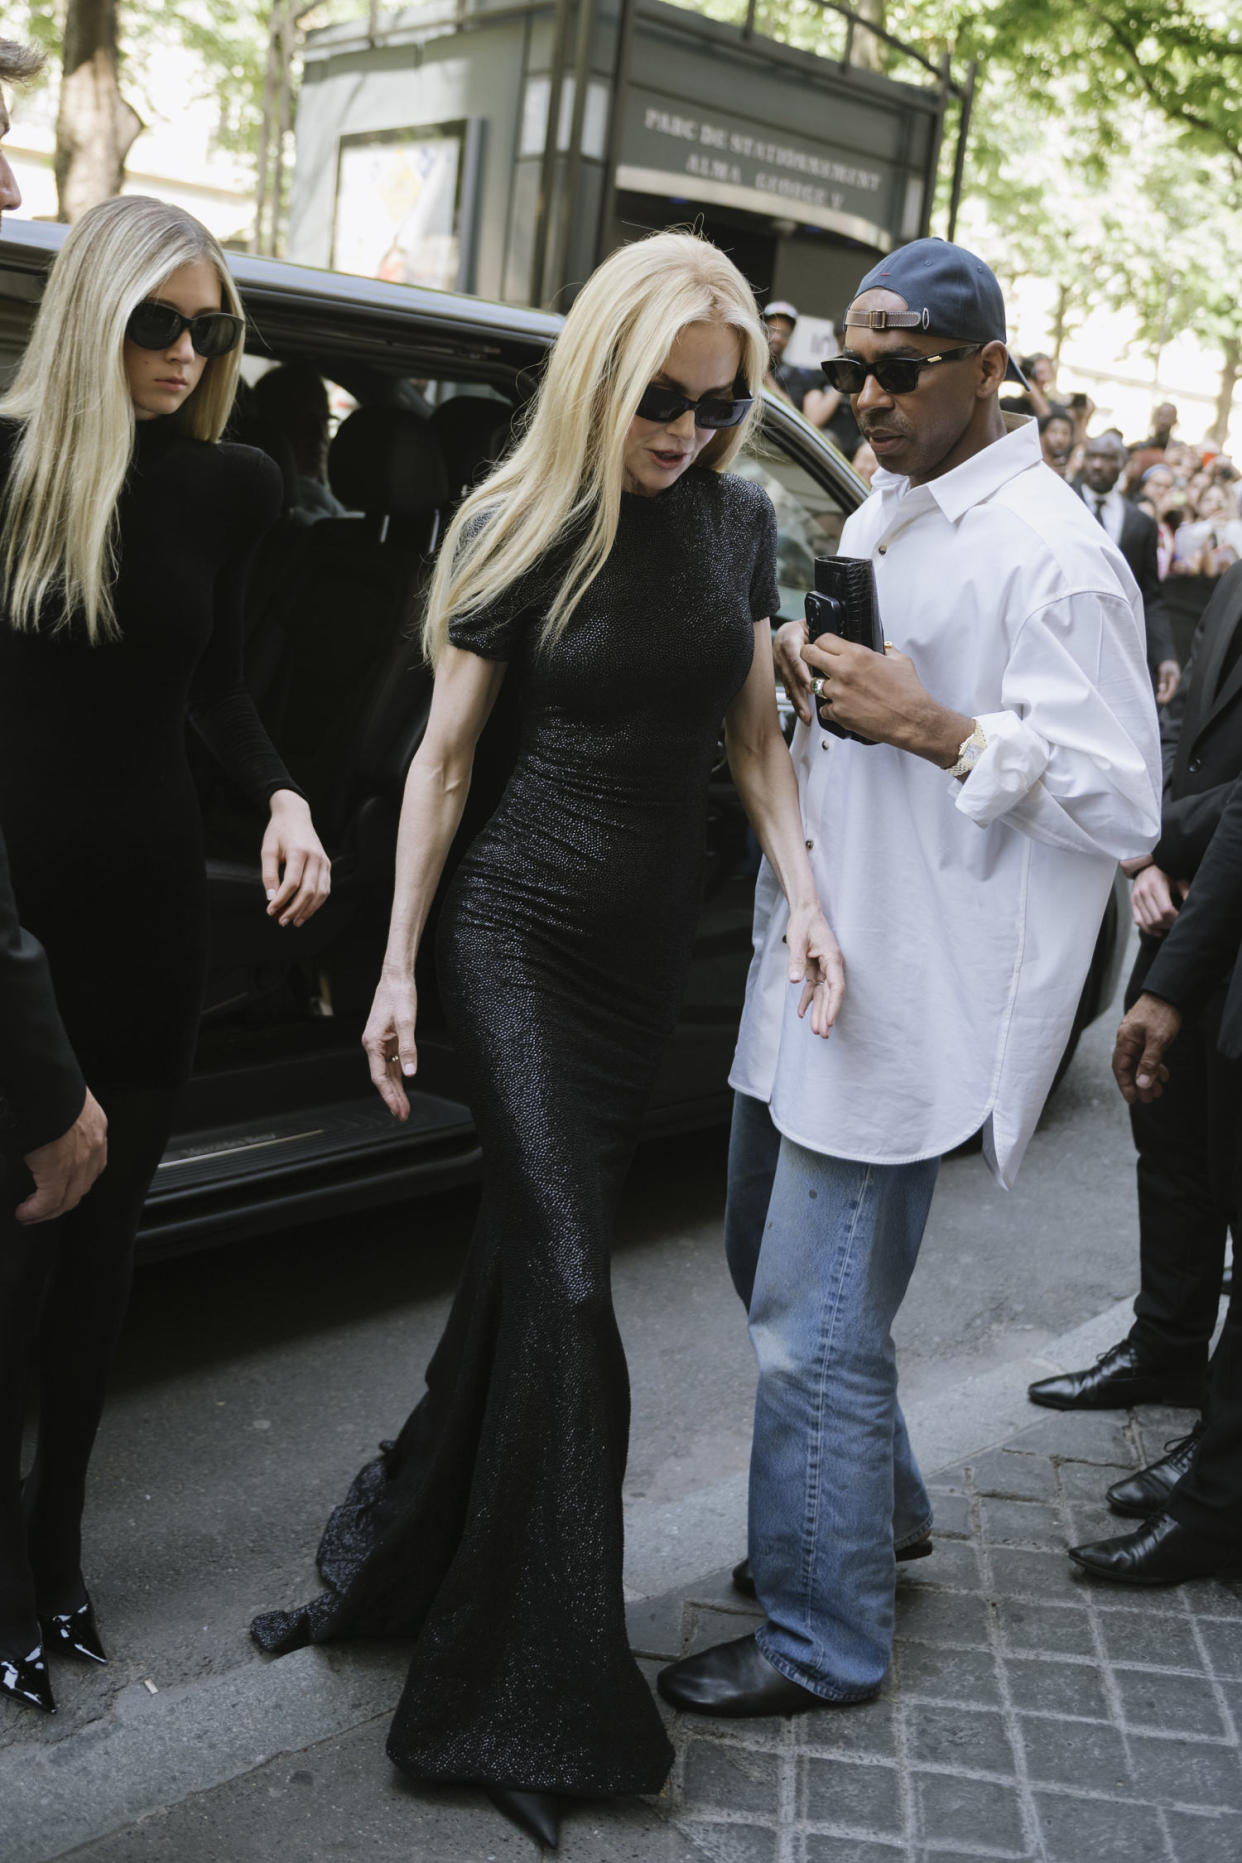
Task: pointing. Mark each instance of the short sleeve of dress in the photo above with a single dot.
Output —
(765, 595)
(496, 632)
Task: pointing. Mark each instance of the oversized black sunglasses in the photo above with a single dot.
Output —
(153, 325)
(897, 375)
(665, 405)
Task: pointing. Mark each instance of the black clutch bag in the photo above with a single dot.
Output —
(844, 602)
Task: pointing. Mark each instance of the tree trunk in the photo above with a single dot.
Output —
(95, 127)
(1059, 323)
(1219, 430)
(866, 51)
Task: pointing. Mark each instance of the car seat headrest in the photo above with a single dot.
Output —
(388, 462)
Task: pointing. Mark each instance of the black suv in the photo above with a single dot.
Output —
(280, 1121)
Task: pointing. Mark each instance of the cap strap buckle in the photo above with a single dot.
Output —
(887, 320)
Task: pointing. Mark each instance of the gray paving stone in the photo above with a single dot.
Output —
(1203, 1839)
(1157, 1429)
(705, 1626)
(1021, 1523)
(1091, 1521)
(846, 1793)
(1190, 1773)
(866, 1729)
(828, 1849)
(946, 1675)
(1159, 1700)
(1086, 1481)
(970, 1811)
(1075, 1753)
(1151, 1638)
(1019, 1574)
(954, 1566)
(720, 1777)
(953, 1480)
(1024, 1477)
(1057, 1688)
(1209, 1597)
(655, 1626)
(1158, 1600)
(966, 1739)
(1223, 1641)
(728, 1843)
(950, 1514)
(1082, 1436)
(1057, 1629)
(1074, 1829)
(942, 1616)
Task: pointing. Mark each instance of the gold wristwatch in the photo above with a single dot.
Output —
(969, 751)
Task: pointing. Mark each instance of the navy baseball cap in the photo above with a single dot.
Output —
(948, 292)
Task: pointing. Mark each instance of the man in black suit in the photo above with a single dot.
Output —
(1134, 533)
(1196, 1530)
(1185, 1139)
(49, 1123)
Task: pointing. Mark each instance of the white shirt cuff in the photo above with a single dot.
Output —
(1014, 761)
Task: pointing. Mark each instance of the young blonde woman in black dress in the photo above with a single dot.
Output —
(615, 570)
(126, 534)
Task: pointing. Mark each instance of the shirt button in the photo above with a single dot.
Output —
(810, 844)
(883, 549)
(1195, 765)
(825, 744)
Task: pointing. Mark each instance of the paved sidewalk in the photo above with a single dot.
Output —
(1031, 1713)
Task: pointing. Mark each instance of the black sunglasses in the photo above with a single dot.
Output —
(665, 405)
(897, 375)
(153, 325)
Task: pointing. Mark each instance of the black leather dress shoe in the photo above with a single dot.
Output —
(1118, 1379)
(536, 1813)
(1160, 1552)
(73, 1633)
(743, 1581)
(734, 1680)
(1146, 1493)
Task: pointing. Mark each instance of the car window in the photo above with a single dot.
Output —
(809, 517)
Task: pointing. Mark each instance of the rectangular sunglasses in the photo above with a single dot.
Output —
(153, 325)
(665, 405)
(897, 375)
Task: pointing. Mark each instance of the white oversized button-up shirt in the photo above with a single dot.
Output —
(967, 911)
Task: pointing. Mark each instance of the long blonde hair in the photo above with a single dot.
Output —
(59, 536)
(566, 470)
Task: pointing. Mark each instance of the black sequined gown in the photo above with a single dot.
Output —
(491, 1529)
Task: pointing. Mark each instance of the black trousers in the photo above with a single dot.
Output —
(64, 1288)
(1208, 1500)
(1186, 1143)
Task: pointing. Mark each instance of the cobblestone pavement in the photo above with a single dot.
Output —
(1031, 1712)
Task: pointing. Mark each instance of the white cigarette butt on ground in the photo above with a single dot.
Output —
(149, 1685)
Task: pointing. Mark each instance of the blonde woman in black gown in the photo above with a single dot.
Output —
(615, 569)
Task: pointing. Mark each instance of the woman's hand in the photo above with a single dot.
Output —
(815, 961)
(1152, 902)
(389, 1041)
(791, 669)
(297, 874)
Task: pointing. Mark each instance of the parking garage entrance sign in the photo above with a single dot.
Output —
(675, 150)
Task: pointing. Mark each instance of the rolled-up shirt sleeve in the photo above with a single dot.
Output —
(1073, 755)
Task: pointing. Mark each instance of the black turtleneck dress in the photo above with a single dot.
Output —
(97, 802)
(491, 1529)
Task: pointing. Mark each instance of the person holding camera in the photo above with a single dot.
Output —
(966, 852)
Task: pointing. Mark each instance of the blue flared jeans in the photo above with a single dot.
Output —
(821, 1251)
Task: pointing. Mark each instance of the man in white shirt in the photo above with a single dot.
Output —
(965, 856)
(1134, 534)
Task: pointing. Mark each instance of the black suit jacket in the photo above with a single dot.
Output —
(40, 1080)
(1202, 948)
(1137, 544)
(1201, 735)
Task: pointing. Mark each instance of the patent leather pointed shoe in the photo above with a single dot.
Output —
(1141, 1495)
(73, 1633)
(734, 1681)
(1118, 1379)
(743, 1579)
(536, 1813)
(27, 1682)
(1160, 1552)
